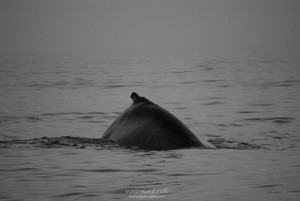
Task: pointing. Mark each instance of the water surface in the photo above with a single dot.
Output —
(253, 100)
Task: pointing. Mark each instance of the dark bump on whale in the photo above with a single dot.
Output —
(147, 126)
(137, 99)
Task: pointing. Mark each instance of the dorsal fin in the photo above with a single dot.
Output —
(137, 99)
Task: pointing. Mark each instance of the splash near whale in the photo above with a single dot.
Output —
(147, 126)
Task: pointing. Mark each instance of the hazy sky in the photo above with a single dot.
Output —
(159, 25)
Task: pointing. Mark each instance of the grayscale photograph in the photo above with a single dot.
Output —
(134, 100)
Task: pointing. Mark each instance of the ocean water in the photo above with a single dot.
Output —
(252, 101)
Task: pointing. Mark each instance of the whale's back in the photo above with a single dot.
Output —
(148, 126)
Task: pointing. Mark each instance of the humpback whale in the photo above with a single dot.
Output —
(147, 126)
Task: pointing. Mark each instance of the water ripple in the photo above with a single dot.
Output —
(247, 112)
(270, 84)
(88, 116)
(81, 143)
(269, 186)
(69, 194)
(279, 120)
(105, 170)
(213, 103)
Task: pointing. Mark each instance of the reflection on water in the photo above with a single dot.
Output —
(248, 108)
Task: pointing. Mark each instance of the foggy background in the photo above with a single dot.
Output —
(151, 26)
